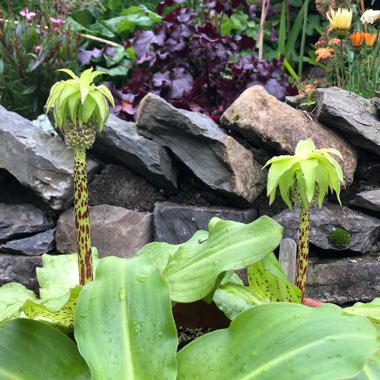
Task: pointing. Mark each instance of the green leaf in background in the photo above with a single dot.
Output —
(59, 273)
(12, 298)
(115, 71)
(18, 301)
(58, 311)
(294, 33)
(232, 299)
(370, 310)
(124, 324)
(266, 283)
(59, 290)
(32, 350)
(282, 30)
(100, 30)
(193, 267)
(282, 341)
(160, 252)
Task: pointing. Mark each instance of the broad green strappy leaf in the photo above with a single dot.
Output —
(32, 350)
(282, 341)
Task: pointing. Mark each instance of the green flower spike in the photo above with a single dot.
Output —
(303, 178)
(80, 111)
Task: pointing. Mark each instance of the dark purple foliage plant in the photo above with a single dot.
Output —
(188, 62)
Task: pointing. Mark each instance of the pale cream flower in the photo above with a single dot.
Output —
(340, 20)
(370, 16)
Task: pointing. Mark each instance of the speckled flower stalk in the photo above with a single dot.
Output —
(82, 219)
(303, 250)
(80, 111)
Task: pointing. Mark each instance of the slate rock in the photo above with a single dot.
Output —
(38, 160)
(175, 224)
(351, 114)
(115, 231)
(215, 158)
(376, 103)
(38, 244)
(20, 220)
(120, 140)
(364, 229)
(369, 200)
(4, 176)
(267, 122)
(21, 269)
(343, 281)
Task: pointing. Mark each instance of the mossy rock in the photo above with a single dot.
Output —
(340, 238)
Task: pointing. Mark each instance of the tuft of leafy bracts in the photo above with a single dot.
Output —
(80, 107)
(307, 175)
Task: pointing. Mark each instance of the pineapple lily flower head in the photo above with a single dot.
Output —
(309, 174)
(78, 103)
(340, 20)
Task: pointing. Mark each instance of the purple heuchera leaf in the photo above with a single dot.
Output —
(175, 83)
(142, 42)
(85, 56)
(275, 88)
(110, 51)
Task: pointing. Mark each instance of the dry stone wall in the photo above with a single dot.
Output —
(169, 173)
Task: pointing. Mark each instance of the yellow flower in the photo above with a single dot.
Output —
(370, 16)
(370, 39)
(324, 53)
(340, 20)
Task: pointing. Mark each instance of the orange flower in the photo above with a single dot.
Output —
(370, 39)
(334, 41)
(324, 53)
(357, 39)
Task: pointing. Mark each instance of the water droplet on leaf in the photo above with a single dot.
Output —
(121, 294)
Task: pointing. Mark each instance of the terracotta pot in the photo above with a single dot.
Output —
(311, 302)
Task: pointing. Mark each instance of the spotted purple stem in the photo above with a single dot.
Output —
(82, 219)
(303, 250)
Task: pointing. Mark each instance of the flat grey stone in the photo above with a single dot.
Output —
(38, 160)
(364, 229)
(343, 281)
(44, 242)
(121, 141)
(215, 158)
(351, 114)
(115, 231)
(175, 224)
(21, 220)
(266, 122)
(369, 200)
(21, 269)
